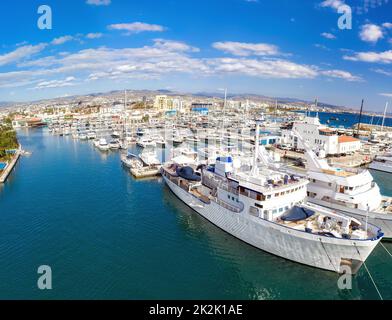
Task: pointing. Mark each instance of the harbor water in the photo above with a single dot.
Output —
(108, 236)
(348, 120)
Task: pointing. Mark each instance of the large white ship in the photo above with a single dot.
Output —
(267, 209)
(351, 191)
(382, 163)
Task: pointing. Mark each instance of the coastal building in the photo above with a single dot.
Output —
(116, 108)
(347, 144)
(201, 108)
(166, 103)
(269, 140)
(319, 137)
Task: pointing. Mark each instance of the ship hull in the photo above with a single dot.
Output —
(309, 249)
(380, 167)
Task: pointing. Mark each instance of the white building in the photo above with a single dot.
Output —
(114, 109)
(165, 103)
(348, 144)
(320, 137)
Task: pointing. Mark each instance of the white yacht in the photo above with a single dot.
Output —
(145, 142)
(268, 210)
(160, 142)
(114, 144)
(149, 157)
(192, 139)
(382, 163)
(131, 160)
(145, 165)
(91, 135)
(82, 136)
(351, 191)
(187, 152)
(115, 135)
(103, 145)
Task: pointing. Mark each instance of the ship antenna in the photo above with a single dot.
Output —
(367, 218)
(257, 142)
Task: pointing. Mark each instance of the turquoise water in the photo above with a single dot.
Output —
(348, 120)
(107, 236)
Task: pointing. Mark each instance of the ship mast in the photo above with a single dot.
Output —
(256, 154)
(224, 114)
(383, 118)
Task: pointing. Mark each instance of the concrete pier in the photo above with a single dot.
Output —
(4, 175)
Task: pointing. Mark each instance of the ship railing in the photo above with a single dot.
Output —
(227, 188)
(227, 206)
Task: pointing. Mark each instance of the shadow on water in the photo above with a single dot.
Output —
(260, 275)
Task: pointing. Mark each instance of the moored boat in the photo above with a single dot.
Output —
(268, 210)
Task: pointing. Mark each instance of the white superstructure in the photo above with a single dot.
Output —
(352, 191)
(267, 209)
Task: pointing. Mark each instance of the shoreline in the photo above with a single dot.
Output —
(5, 174)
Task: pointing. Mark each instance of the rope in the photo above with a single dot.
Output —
(386, 249)
(330, 260)
(371, 278)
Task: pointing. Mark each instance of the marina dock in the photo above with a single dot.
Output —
(10, 166)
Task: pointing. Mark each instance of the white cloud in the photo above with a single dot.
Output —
(67, 82)
(321, 46)
(334, 4)
(371, 33)
(340, 74)
(246, 49)
(174, 45)
(282, 69)
(99, 2)
(387, 25)
(328, 35)
(16, 79)
(23, 43)
(94, 35)
(383, 72)
(21, 53)
(388, 95)
(162, 58)
(372, 57)
(61, 40)
(136, 27)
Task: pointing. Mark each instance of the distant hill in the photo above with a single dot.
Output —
(5, 104)
(218, 94)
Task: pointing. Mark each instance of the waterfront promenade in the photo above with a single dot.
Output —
(6, 172)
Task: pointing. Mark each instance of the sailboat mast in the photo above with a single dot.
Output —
(125, 112)
(360, 118)
(383, 118)
(224, 115)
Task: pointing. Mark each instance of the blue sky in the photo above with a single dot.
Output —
(279, 48)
